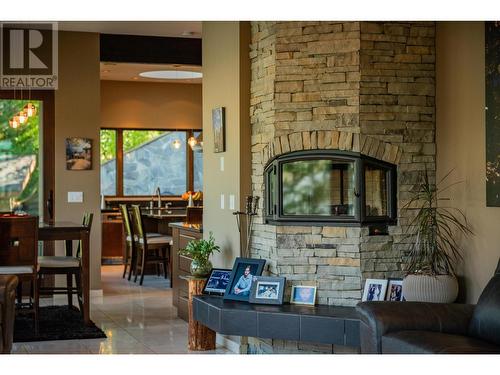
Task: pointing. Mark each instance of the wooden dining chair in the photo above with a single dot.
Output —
(149, 249)
(130, 250)
(129, 256)
(69, 265)
(18, 256)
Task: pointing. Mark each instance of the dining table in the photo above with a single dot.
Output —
(69, 231)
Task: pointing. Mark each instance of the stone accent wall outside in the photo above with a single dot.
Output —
(361, 86)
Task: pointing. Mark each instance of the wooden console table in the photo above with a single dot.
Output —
(318, 324)
(200, 337)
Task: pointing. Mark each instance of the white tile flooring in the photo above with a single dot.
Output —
(136, 320)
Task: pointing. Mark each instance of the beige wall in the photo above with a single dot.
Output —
(461, 143)
(150, 105)
(226, 75)
(77, 115)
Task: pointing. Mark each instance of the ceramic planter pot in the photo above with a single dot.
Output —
(200, 269)
(424, 288)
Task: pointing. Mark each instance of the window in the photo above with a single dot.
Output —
(108, 162)
(20, 159)
(329, 186)
(136, 162)
(197, 167)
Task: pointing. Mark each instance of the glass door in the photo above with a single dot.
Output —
(27, 153)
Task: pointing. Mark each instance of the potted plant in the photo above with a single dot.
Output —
(199, 251)
(435, 233)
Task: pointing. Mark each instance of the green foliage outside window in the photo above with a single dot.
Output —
(19, 142)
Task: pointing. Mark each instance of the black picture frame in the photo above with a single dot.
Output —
(259, 285)
(398, 282)
(216, 291)
(256, 266)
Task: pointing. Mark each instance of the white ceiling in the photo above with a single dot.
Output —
(151, 28)
(130, 72)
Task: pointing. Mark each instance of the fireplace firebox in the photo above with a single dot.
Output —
(330, 187)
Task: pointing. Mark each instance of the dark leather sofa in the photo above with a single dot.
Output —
(425, 328)
(8, 286)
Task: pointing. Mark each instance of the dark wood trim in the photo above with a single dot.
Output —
(150, 49)
(189, 163)
(119, 161)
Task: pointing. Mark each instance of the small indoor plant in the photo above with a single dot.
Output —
(434, 233)
(199, 251)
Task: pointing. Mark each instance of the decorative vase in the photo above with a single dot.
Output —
(200, 269)
(425, 288)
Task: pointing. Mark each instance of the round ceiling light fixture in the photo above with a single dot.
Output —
(171, 74)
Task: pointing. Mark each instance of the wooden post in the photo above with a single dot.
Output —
(200, 337)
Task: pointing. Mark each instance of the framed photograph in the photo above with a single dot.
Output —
(374, 290)
(219, 127)
(395, 290)
(303, 295)
(240, 283)
(217, 281)
(78, 154)
(267, 290)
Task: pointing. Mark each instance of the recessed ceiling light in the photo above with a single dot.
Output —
(171, 74)
(188, 33)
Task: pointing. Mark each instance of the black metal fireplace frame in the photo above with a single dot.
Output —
(273, 204)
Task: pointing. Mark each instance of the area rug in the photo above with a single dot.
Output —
(55, 323)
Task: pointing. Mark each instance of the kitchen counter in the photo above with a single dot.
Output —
(198, 228)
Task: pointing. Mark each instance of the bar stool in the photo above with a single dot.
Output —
(68, 265)
(148, 249)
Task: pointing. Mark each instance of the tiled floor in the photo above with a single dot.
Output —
(136, 320)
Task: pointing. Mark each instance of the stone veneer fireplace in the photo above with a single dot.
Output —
(363, 87)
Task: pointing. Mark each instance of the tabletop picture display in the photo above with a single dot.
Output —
(303, 295)
(217, 281)
(375, 290)
(267, 290)
(395, 290)
(240, 283)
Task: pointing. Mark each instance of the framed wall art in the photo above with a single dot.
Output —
(219, 128)
(78, 154)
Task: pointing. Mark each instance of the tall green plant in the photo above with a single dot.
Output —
(435, 230)
(200, 250)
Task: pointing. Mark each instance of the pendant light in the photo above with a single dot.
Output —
(14, 122)
(192, 141)
(30, 110)
(22, 117)
(176, 144)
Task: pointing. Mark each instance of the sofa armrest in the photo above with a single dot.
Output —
(379, 318)
(8, 286)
